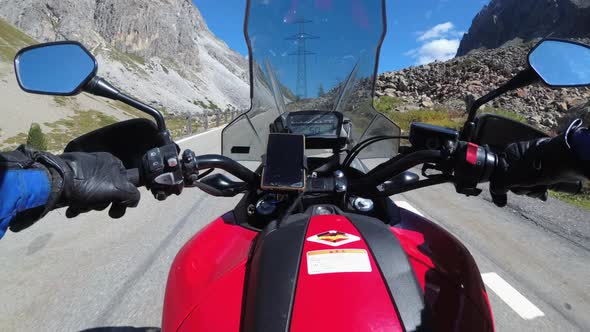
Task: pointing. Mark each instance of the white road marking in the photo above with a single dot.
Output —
(408, 206)
(197, 135)
(520, 304)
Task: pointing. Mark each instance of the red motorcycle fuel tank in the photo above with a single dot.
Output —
(336, 272)
(206, 280)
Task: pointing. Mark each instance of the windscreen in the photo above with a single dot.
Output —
(311, 55)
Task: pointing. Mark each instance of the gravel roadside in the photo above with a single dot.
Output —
(563, 219)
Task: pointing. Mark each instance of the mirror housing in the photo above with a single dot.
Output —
(561, 63)
(498, 131)
(60, 68)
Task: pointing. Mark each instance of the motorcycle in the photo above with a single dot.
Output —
(315, 243)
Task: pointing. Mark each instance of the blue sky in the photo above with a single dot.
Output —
(418, 32)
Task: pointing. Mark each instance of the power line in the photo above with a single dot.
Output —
(302, 53)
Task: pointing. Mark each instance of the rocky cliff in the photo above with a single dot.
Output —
(445, 85)
(160, 51)
(504, 20)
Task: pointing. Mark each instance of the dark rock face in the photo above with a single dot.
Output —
(504, 20)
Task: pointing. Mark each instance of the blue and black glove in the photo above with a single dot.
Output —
(32, 183)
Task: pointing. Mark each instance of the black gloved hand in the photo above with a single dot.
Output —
(82, 182)
(529, 168)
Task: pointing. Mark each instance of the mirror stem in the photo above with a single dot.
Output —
(100, 87)
(522, 79)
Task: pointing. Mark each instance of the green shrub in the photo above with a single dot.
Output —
(438, 117)
(36, 138)
(387, 103)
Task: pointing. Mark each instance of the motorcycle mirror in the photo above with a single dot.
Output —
(60, 68)
(557, 63)
(66, 68)
(561, 63)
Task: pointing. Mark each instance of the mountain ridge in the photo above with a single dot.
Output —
(160, 51)
(502, 21)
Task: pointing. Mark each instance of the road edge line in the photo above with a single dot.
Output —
(513, 298)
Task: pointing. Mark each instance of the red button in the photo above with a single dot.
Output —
(472, 153)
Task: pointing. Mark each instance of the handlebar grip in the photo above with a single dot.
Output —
(567, 187)
(133, 176)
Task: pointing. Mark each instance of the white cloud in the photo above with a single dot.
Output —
(438, 43)
(438, 31)
(439, 49)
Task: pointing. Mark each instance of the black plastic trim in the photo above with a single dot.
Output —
(396, 271)
(272, 276)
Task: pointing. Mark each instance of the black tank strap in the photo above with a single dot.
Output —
(396, 270)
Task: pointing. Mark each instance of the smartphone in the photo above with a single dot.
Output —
(284, 166)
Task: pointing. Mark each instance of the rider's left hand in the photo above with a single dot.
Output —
(82, 182)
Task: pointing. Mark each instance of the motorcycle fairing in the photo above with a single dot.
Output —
(206, 279)
(282, 296)
(355, 298)
(207, 286)
(447, 273)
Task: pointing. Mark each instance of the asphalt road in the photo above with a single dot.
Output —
(92, 272)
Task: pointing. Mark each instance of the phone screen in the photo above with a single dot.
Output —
(284, 168)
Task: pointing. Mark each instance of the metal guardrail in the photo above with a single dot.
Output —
(209, 119)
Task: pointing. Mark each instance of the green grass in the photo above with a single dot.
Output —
(387, 103)
(581, 200)
(12, 40)
(59, 133)
(82, 122)
(61, 100)
(14, 141)
(130, 61)
(209, 106)
(437, 115)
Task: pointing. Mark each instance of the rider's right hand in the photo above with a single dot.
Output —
(531, 167)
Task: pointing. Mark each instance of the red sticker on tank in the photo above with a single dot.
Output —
(333, 238)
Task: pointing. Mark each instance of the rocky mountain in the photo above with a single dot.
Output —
(160, 51)
(492, 52)
(502, 21)
(445, 85)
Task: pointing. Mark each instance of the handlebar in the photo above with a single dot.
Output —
(229, 165)
(192, 164)
(466, 167)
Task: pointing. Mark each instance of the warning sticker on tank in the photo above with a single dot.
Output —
(333, 238)
(338, 261)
